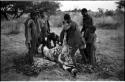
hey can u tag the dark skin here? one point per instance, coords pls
(88, 22)
(75, 42)
(84, 14)
(89, 31)
(31, 45)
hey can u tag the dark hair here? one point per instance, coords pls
(32, 14)
(84, 10)
(67, 17)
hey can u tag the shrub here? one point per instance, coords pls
(108, 25)
(77, 17)
(109, 13)
(106, 22)
(12, 27)
(56, 21)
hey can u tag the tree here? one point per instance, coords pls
(21, 7)
(18, 8)
(109, 12)
(4, 7)
(120, 7)
(121, 4)
(47, 6)
(101, 11)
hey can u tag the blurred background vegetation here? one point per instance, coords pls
(14, 14)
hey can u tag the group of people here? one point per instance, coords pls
(71, 37)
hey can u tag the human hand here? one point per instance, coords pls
(84, 46)
(39, 48)
(60, 43)
(28, 45)
(45, 38)
(65, 63)
(82, 34)
(66, 26)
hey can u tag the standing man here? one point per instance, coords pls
(31, 37)
(74, 38)
(89, 34)
(43, 30)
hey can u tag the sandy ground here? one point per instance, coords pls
(110, 49)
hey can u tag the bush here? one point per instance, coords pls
(12, 27)
(109, 13)
(77, 17)
(108, 25)
(56, 21)
(106, 22)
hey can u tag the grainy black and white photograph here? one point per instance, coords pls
(68, 40)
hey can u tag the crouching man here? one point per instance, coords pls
(88, 30)
(74, 38)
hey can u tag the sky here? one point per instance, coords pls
(90, 5)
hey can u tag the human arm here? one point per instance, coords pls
(48, 26)
(61, 36)
(59, 59)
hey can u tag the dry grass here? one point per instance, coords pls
(106, 22)
(56, 21)
(110, 49)
(13, 26)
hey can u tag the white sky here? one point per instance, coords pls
(93, 5)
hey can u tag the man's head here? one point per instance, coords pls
(34, 14)
(67, 21)
(44, 15)
(41, 14)
(67, 18)
(84, 11)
